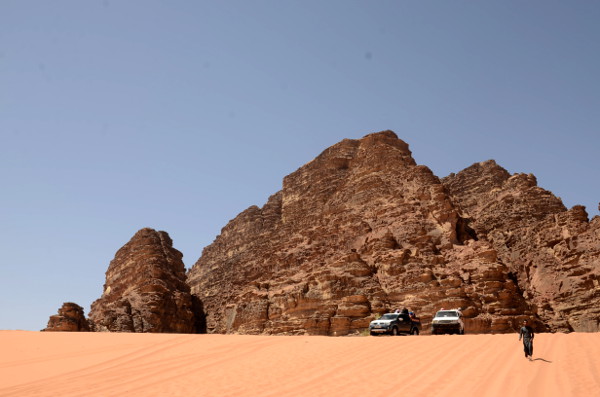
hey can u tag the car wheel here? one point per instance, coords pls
(373, 333)
(394, 331)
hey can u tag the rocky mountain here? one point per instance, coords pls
(70, 318)
(363, 229)
(358, 231)
(145, 289)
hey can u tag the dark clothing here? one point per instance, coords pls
(528, 347)
(527, 334)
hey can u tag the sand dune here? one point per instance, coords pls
(108, 364)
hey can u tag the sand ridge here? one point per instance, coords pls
(114, 364)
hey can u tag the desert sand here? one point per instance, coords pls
(112, 364)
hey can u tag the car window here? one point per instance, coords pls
(447, 313)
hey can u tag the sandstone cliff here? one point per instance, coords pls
(145, 289)
(70, 318)
(359, 230)
(554, 252)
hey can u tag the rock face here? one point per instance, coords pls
(553, 252)
(362, 229)
(145, 289)
(70, 318)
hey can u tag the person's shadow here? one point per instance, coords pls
(541, 359)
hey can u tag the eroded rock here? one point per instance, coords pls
(554, 253)
(70, 318)
(145, 289)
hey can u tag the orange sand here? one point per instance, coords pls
(109, 364)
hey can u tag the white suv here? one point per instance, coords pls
(448, 322)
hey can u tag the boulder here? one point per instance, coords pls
(70, 318)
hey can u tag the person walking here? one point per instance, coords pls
(527, 335)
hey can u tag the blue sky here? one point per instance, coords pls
(178, 115)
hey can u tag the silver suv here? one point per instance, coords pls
(448, 322)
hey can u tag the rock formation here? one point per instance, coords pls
(358, 231)
(145, 289)
(363, 229)
(70, 318)
(553, 252)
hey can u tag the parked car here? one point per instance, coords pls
(395, 324)
(448, 322)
